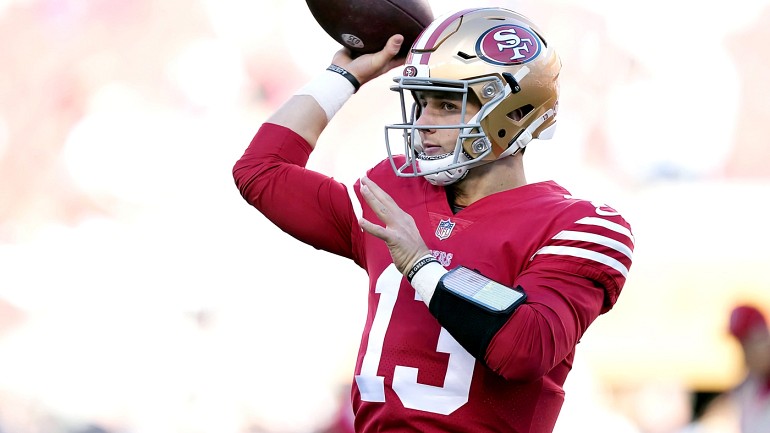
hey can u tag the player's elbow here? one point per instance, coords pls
(527, 347)
(249, 176)
(522, 369)
(243, 175)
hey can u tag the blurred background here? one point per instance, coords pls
(139, 293)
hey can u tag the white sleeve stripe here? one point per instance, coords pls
(594, 221)
(584, 254)
(597, 239)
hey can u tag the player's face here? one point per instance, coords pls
(442, 108)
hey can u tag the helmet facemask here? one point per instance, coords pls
(472, 146)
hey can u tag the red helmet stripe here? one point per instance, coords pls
(434, 31)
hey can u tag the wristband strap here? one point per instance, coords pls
(350, 77)
(426, 281)
(419, 265)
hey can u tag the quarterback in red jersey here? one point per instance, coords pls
(481, 284)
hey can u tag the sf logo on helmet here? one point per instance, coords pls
(508, 45)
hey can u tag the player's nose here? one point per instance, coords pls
(424, 118)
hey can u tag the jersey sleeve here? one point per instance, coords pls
(571, 280)
(598, 246)
(312, 207)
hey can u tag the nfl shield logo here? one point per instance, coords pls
(444, 229)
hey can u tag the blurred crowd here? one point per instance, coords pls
(136, 298)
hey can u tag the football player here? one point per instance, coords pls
(752, 396)
(481, 284)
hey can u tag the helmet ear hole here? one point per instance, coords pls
(501, 133)
(520, 113)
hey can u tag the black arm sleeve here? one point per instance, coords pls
(467, 308)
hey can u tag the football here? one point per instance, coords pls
(364, 26)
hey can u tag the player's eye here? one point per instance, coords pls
(448, 106)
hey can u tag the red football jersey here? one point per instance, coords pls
(570, 256)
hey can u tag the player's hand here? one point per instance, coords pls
(367, 67)
(400, 232)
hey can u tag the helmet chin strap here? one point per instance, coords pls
(445, 177)
(426, 163)
(448, 177)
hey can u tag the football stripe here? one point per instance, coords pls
(601, 222)
(596, 239)
(431, 35)
(584, 254)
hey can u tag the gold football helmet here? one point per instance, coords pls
(495, 56)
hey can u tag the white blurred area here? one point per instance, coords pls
(140, 293)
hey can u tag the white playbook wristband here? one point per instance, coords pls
(426, 280)
(330, 89)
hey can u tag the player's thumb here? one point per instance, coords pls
(378, 63)
(390, 50)
(391, 59)
(394, 44)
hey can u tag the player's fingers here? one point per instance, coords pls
(381, 59)
(380, 209)
(370, 66)
(382, 196)
(373, 229)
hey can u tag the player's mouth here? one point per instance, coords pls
(433, 150)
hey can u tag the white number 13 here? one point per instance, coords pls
(437, 399)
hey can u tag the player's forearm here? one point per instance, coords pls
(545, 330)
(312, 107)
(303, 115)
(530, 345)
(521, 342)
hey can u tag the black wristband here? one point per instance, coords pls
(350, 77)
(419, 265)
